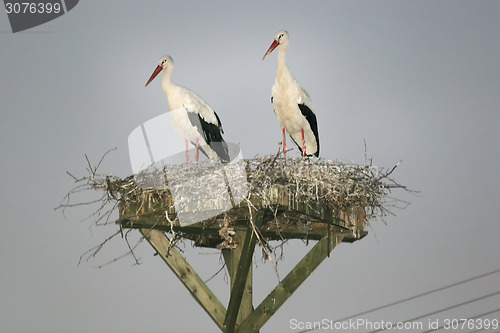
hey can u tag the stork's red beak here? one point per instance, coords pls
(155, 73)
(271, 48)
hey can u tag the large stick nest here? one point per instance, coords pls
(340, 185)
(337, 185)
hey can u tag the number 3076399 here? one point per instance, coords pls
(32, 8)
(470, 323)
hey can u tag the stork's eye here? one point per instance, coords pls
(164, 61)
(281, 36)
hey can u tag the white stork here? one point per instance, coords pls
(292, 103)
(191, 116)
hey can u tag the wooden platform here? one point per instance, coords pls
(284, 218)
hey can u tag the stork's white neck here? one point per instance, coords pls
(166, 83)
(282, 71)
(282, 55)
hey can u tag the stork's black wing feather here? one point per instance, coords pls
(212, 134)
(219, 124)
(311, 119)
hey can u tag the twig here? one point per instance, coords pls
(216, 273)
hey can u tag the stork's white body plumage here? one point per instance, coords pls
(180, 102)
(292, 104)
(191, 116)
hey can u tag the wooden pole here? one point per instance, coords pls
(290, 283)
(198, 289)
(240, 280)
(232, 259)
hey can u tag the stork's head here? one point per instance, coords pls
(164, 63)
(280, 38)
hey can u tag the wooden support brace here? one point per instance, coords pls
(198, 289)
(290, 283)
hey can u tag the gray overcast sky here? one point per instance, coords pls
(419, 81)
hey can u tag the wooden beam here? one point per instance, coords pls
(241, 276)
(198, 289)
(290, 283)
(311, 231)
(232, 259)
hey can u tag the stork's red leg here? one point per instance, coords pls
(187, 153)
(197, 151)
(303, 144)
(284, 143)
